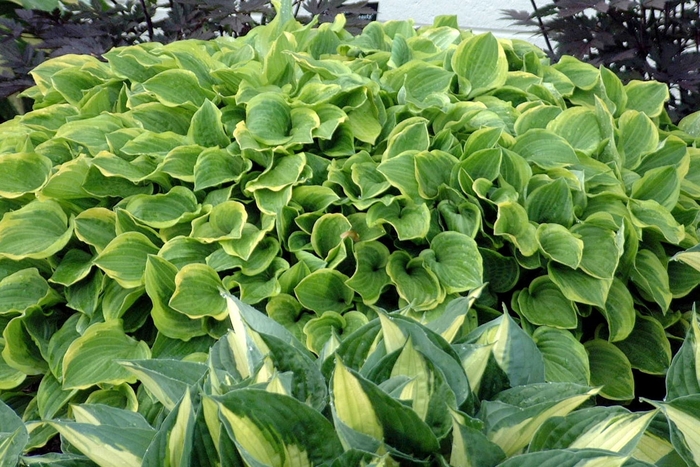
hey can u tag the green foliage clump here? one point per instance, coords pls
(535, 226)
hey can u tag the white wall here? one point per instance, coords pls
(477, 15)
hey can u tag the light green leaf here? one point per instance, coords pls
(23, 173)
(559, 244)
(649, 214)
(638, 137)
(545, 149)
(411, 221)
(650, 275)
(619, 311)
(551, 202)
(610, 369)
(37, 230)
(188, 92)
(512, 223)
(582, 75)
(482, 61)
(159, 279)
(25, 289)
(565, 358)
(206, 128)
(198, 292)
(124, 258)
(370, 277)
(646, 96)
(164, 210)
(324, 290)
(455, 260)
(415, 283)
(543, 304)
(578, 286)
(92, 358)
(579, 126)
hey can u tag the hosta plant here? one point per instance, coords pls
(394, 392)
(327, 178)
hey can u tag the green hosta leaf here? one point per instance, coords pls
(649, 214)
(513, 417)
(432, 171)
(683, 377)
(455, 260)
(463, 217)
(75, 266)
(582, 75)
(159, 279)
(559, 244)
(181, 251)
(416, 284)
(166, 379)
(411, 221)
(106, 438)
(96, 227)
(188, 92)
(513, 223)
(611, 428)
(661, 185)
(283, 172)
(10, 377)
(610, 369)
(400, 172)
(601, 250)
(276, 430)
(619, 311)
(578, 286)
(370, 277)
(361, 406)
(324, 290)
(482, 61)
(124, 258)
(638, 136)
(545, 149)
(565, 358)
(206, 128)
(646, 96)
(418, 78)
(37, 230)
(682, 414)
(91, 358)
(23, 173)
(551, 203)
(543, 304)
(579, 126)
(23, 290)
(650, 275)
(226, 220)
(13, 436)
(216, 166)
(408, 135)
(121, 396)
(198, 292)
(323, 328)
(91, 132)
(647, 347)
(164, 210)
(328, 234)
(269, 119)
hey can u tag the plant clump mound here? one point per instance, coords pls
(458, 247)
